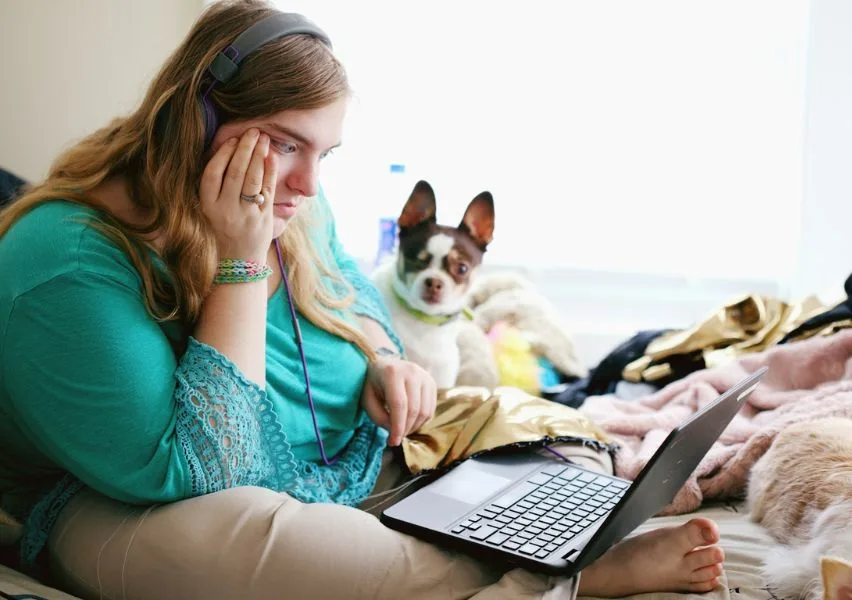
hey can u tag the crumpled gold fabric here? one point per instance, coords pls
(749, 323)
(472, 420)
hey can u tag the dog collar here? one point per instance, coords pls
(427, 318)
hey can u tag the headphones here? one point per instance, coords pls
(226, 64)
(223, 68)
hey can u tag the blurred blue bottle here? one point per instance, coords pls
(388, 228)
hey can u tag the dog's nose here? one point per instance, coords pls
(434, 285)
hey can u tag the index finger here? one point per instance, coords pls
(270, 175)
(396, 401)
(232, 185)
(214, 172)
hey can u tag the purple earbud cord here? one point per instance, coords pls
(298, 332)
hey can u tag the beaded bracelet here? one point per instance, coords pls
(232, 270)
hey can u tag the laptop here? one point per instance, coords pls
(552, 516)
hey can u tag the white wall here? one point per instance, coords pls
(825, 258)
(69, 66)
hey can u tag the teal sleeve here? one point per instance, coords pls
(368, 300)
(96, 386)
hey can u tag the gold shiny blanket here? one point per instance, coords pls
(469, 421)
(747, 324)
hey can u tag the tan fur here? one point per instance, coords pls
(807, 469)
(836, 578)
(801, 491)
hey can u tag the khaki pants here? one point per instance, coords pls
(251, 542)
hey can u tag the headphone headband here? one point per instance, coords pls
(226, 63)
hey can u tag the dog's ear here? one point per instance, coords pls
(478, 220)
(420, 207)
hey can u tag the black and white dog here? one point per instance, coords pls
(427, 283)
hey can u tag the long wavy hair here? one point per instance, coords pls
(158, 150)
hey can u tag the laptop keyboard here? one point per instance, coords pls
(545, 511)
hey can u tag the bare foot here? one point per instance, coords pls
(671, 559)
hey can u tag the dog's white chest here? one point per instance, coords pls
(433, 347)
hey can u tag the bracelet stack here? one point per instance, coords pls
(233, 270)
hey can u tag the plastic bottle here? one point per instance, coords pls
(393, 199)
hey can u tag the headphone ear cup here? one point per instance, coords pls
(208, 113)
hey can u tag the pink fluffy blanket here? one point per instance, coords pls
(806, 381)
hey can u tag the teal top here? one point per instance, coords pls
(94, 392)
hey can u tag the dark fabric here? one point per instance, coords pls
(10, 187)
(9, 557)
(604, 377)
(841, 312)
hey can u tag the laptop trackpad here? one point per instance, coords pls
(471, 487)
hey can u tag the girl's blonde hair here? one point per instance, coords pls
(158, 151)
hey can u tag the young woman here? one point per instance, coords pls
(156, 437)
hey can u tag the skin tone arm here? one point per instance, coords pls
(233, 318)
(376, 333)
(398, 395)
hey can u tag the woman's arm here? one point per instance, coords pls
(233, 318)
(95, 385)
(399, 395)
(377, 334)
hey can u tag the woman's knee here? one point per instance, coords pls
(100, 547)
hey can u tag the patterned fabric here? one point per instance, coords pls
(216, 406)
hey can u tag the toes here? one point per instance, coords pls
(706, 586)
(704, 557)
(698, 532)
(706, 574)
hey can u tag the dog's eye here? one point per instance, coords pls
(461, 269)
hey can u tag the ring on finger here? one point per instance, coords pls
(254, 198)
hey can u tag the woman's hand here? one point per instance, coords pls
(399, 396)
(245, 167)
(233, 316)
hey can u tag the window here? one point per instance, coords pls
(662, 136)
